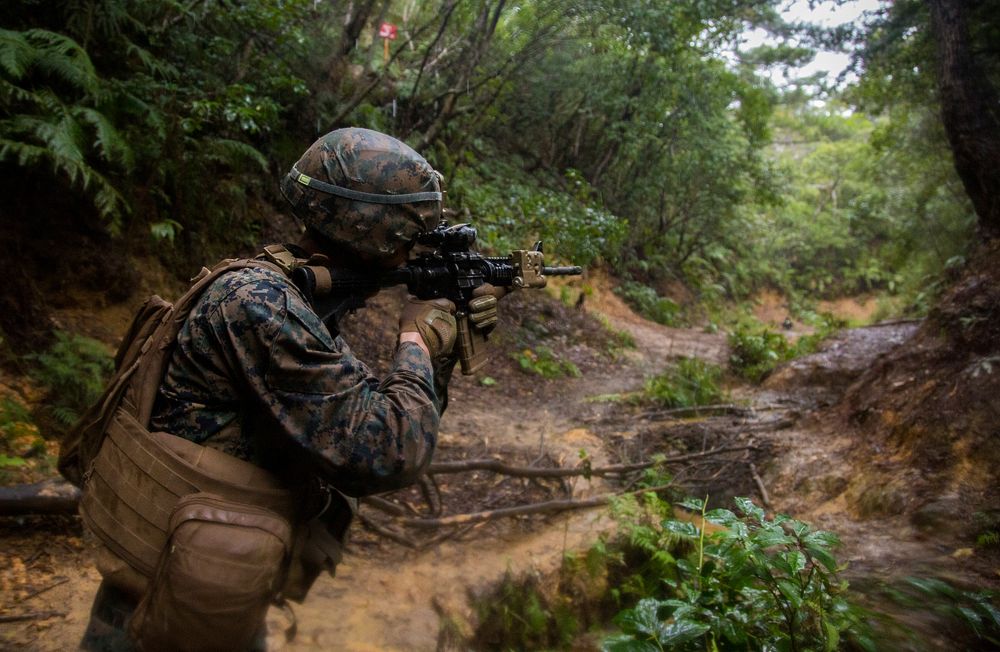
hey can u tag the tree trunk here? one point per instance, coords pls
(969, 111)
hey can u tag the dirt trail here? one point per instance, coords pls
(386, 597)
(392, 600)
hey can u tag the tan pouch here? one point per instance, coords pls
(221, 567)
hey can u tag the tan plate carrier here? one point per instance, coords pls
(132, 479)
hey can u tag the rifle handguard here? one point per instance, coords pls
(471, 345)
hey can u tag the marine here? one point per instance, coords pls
(260, 384)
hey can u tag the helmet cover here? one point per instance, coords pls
(364, 190)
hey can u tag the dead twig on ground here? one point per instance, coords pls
(387, 532)
(498, 466)
(717, 410)
(386, 506)
(760, 486)
(431, 494)
(32, 615)
(61, 580)
(548, 507)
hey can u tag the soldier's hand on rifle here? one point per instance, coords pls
(430, 324)
(483, 306)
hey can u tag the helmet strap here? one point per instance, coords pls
(357, 195)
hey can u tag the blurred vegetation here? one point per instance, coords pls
(640, 135)
(755, 349)
(753, 583)
(25, 455)
(689, 383)
(698, 580)
(73, 371)
(545, 363)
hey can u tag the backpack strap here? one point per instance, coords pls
(140, 364)
(156, 351)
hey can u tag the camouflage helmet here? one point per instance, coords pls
(364, 190)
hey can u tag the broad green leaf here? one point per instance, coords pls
(681, 632)
(791, 592)
(680, 528)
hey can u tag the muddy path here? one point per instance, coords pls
(388, 597)
(392, 598)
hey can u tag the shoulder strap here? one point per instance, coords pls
(156, 351)
(140, 365)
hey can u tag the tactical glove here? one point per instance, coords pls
(483, 307)
(434, 321)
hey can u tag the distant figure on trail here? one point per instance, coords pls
(787, 324)
(233, 488)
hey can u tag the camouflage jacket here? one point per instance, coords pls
(257, 374)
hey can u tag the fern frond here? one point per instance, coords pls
(152, 116)
(67, 416)
(16, 54)
(110, 143)
(156, 66)
(63, 58)
(27, 155)
(11, 93)
(231, 152)
(108, 201)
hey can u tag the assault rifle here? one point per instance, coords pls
(446, 267)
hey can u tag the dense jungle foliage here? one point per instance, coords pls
(642, 134)
(644, 137)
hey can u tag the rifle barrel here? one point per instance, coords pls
(574, 270)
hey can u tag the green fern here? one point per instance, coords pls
(67, 133)
(74, 370)
(230, 152)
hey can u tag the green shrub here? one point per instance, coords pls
(649, 304)
(25, 456)
(518, 615)
(74, 370)
(756, 583)
(544, 362)
(753, 354)
(826, 325)
(691, 382)
(755, 350)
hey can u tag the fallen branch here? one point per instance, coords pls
(760, 486)
(33, 615)
(386, 506)
(61, 580)
(54, 496)
(766, 426)
(431, 494)
(457, 533)
(548, 507)
(498, 466)
(708, 453)
(696, 411)
(387, 532)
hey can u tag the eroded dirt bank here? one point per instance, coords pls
(390, 597)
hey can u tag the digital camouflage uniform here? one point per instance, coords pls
(253, 351)
(258, 375)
